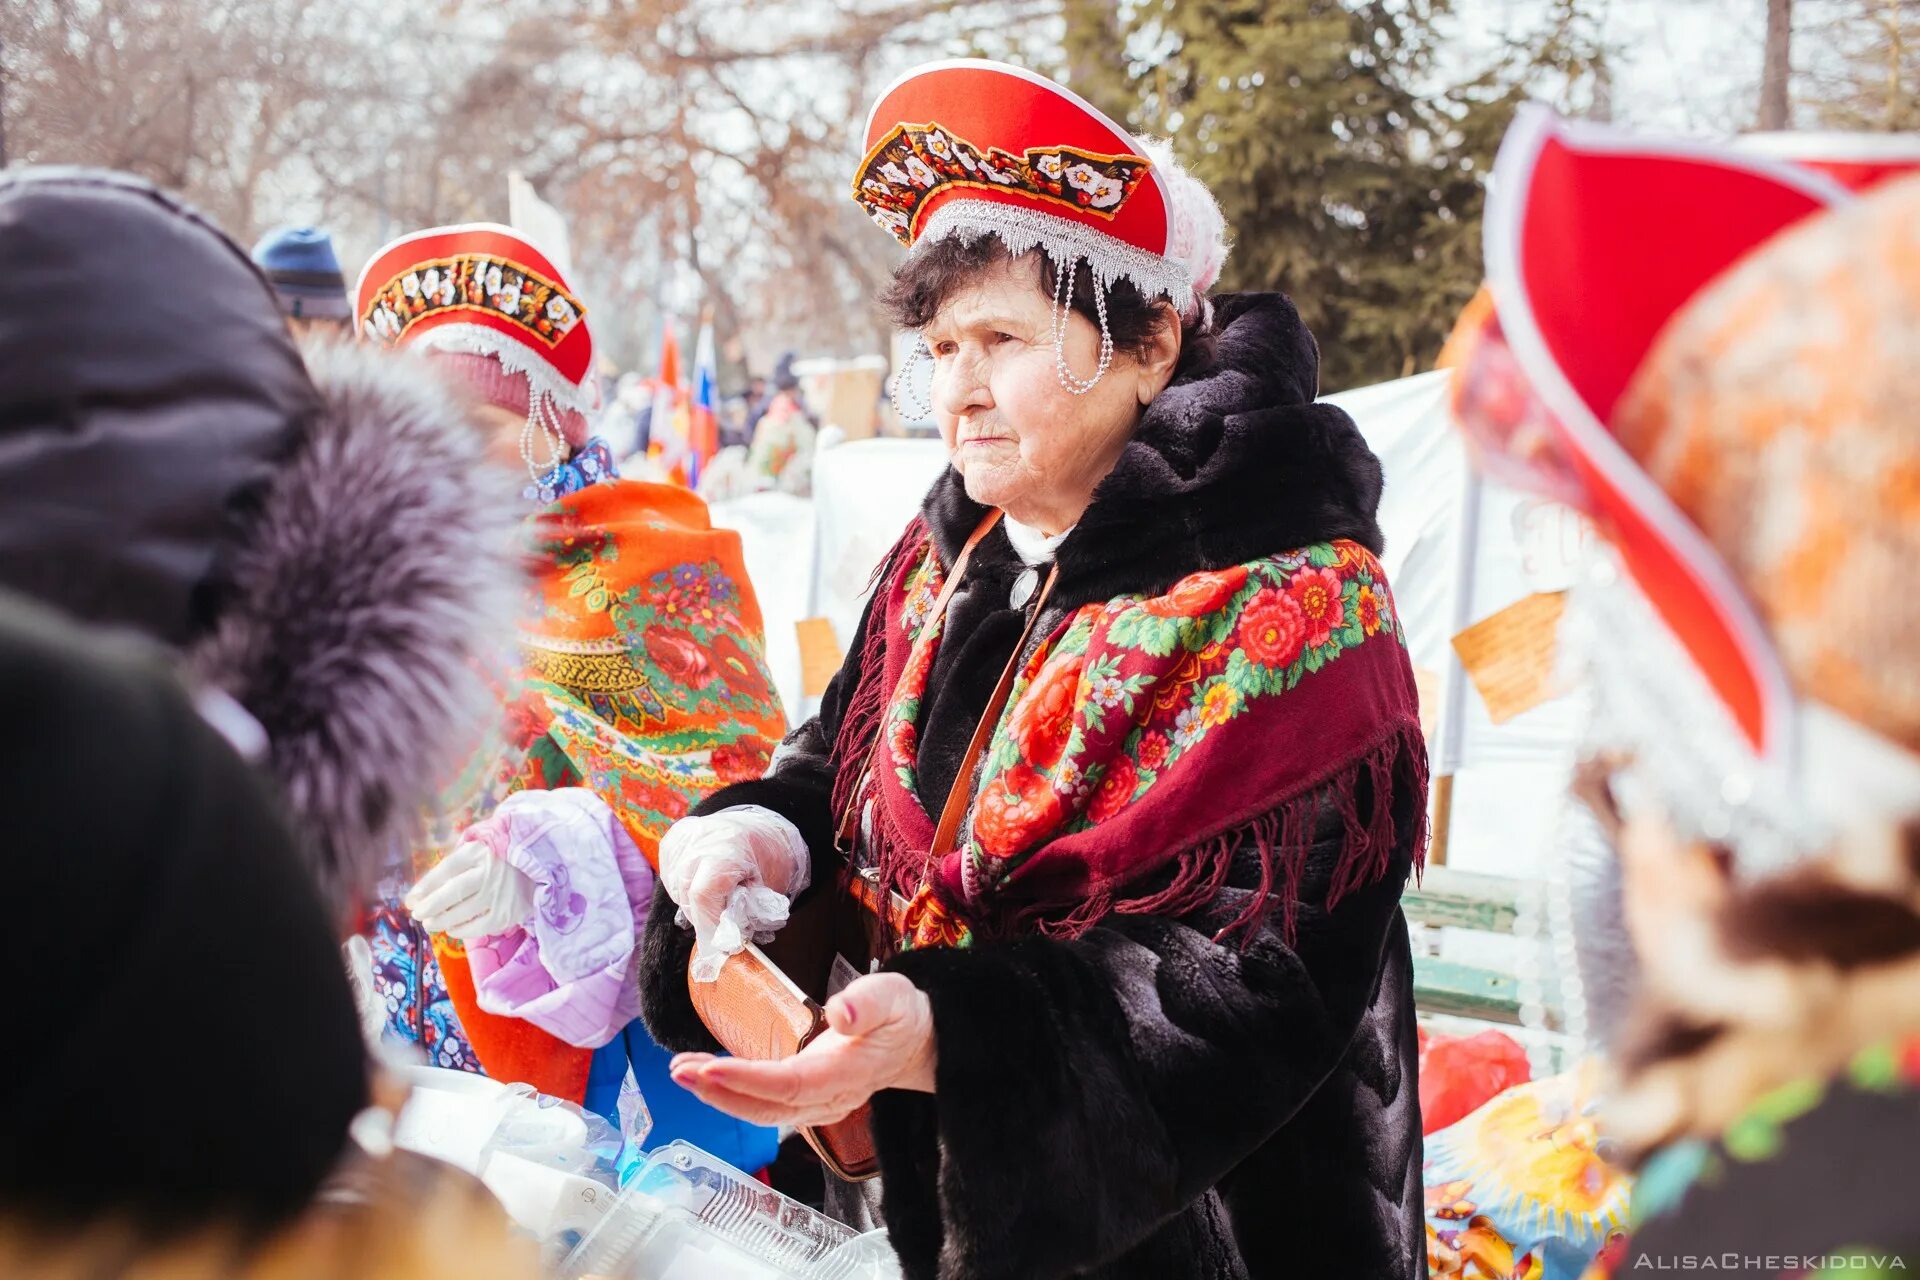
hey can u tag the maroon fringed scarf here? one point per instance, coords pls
(1148, 733)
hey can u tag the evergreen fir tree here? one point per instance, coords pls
(1348, 168)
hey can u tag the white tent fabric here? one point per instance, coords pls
(1520, 545)
(864, 493)
(776, 538)
(1509, 777)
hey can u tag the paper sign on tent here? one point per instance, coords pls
(1509, 655)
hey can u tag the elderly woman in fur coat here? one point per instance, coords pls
(1150, 1008)
(317, 539)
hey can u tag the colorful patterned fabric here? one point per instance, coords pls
(1518, 1191)
(1814, 1180)
(591, 463)
(1145, 733)
(646, 683)
(1776, 410)
(407, 978)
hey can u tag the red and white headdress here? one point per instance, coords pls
(1857, 161)
(484, 295)
(1620, 268)
(970, 148)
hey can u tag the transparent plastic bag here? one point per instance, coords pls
(733, 874)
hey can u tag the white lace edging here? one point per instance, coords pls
(543, 380)
(1108, 257)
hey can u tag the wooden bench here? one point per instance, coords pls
(1444, 990)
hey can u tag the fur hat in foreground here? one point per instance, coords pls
(323, 539)
(371, 611)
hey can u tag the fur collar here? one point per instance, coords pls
(1745, 988)
(373, 598)
(1232, 462)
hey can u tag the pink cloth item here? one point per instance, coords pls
(569, 971)
(505, 388)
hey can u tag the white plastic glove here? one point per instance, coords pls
(733, 874)
(472, 894)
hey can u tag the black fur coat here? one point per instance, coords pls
(1141, 1102)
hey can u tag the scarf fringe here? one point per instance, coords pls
(1283, 839)
(867, 705)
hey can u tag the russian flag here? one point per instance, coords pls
(703, 431)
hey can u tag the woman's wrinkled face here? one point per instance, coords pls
(1019, 439)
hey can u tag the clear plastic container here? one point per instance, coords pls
(554, 1167)
(867, 1257)
(687, 1215)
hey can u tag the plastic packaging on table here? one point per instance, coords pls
(687, 1215)
(554, 1167)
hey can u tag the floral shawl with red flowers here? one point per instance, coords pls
(646, 682)
(1148, 739)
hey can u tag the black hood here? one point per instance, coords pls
(1231, 462)
(148, 391)
(322, 539)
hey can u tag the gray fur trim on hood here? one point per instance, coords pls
(341, 560)
(370, 623)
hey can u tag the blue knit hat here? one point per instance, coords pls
(300, 263)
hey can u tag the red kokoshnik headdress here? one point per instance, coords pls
(481, 291)
(971, 148)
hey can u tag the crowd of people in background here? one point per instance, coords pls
(766, 435)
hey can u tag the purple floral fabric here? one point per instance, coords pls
(569, 970)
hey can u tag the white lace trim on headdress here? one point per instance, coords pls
(543, 380)
(1108, 257)
(1651, 702)
(548, 393)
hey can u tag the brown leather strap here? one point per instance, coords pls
(954, 574)
(959, 797)
(961, 793)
